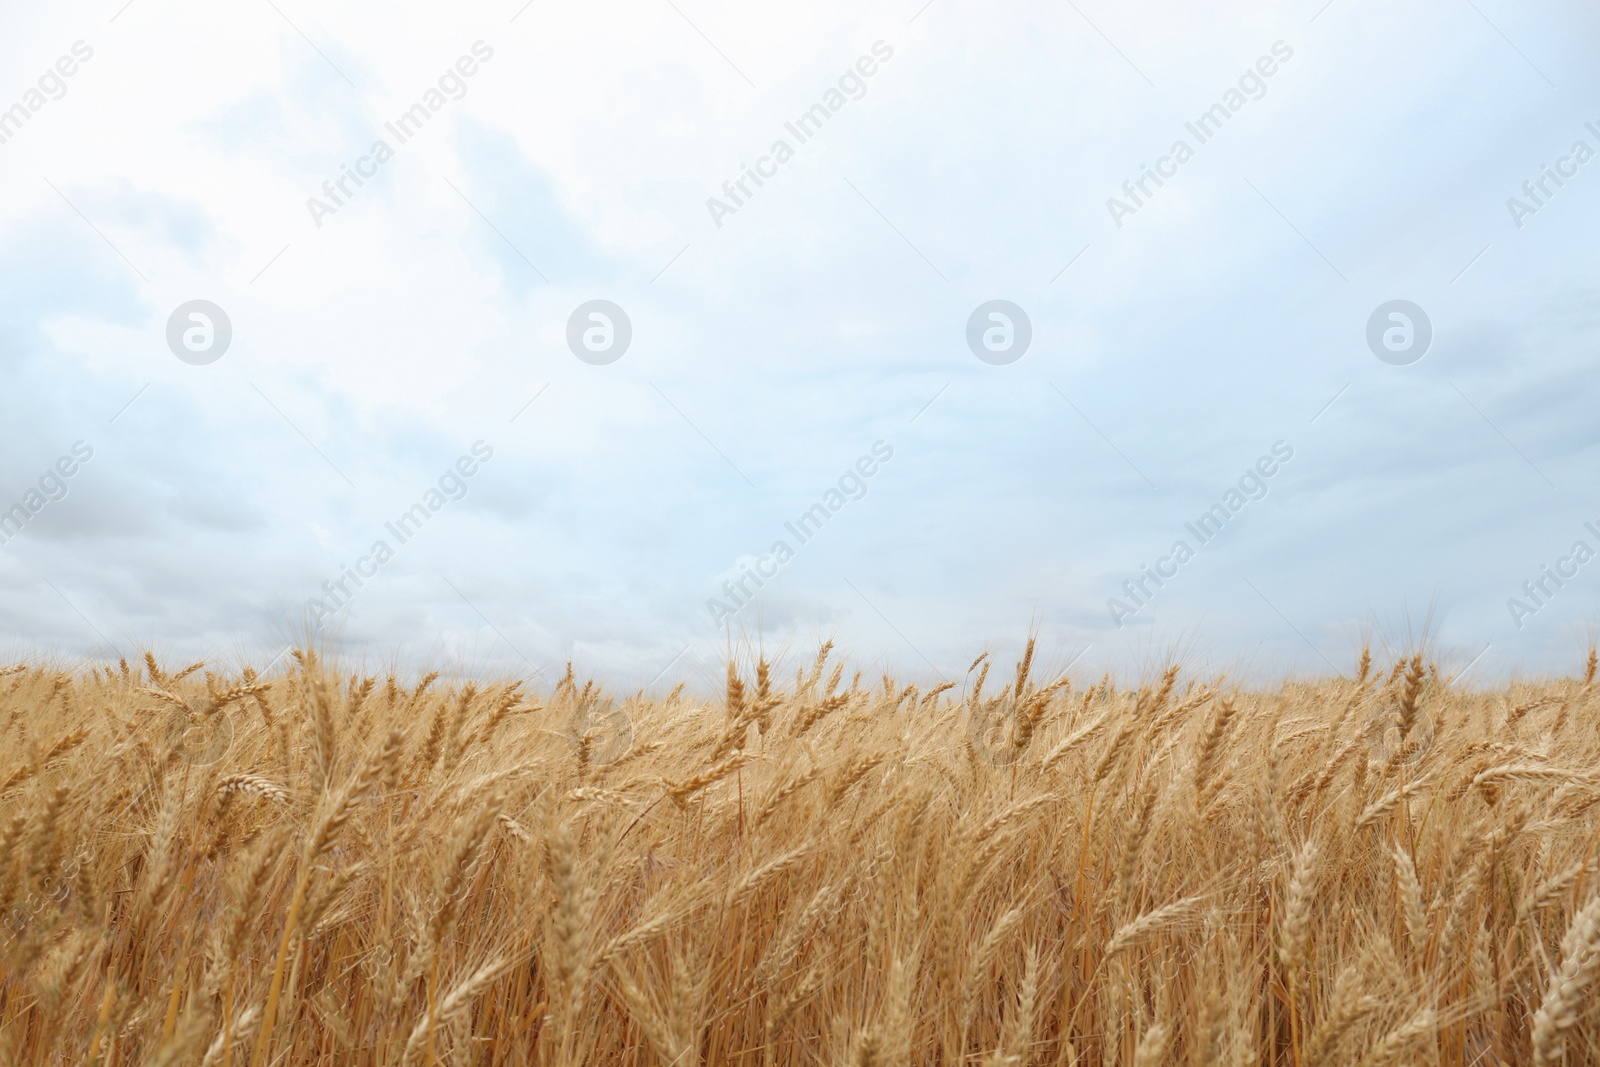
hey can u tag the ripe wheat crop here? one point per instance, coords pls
(306, 868)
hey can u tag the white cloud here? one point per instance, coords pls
(822, 316)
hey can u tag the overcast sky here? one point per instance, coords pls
(799, 344)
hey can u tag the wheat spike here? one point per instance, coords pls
(1566, 993)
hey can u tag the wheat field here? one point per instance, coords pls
(304, 867)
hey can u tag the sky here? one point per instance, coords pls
(489, 336)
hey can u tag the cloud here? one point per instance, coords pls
(429, 312)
